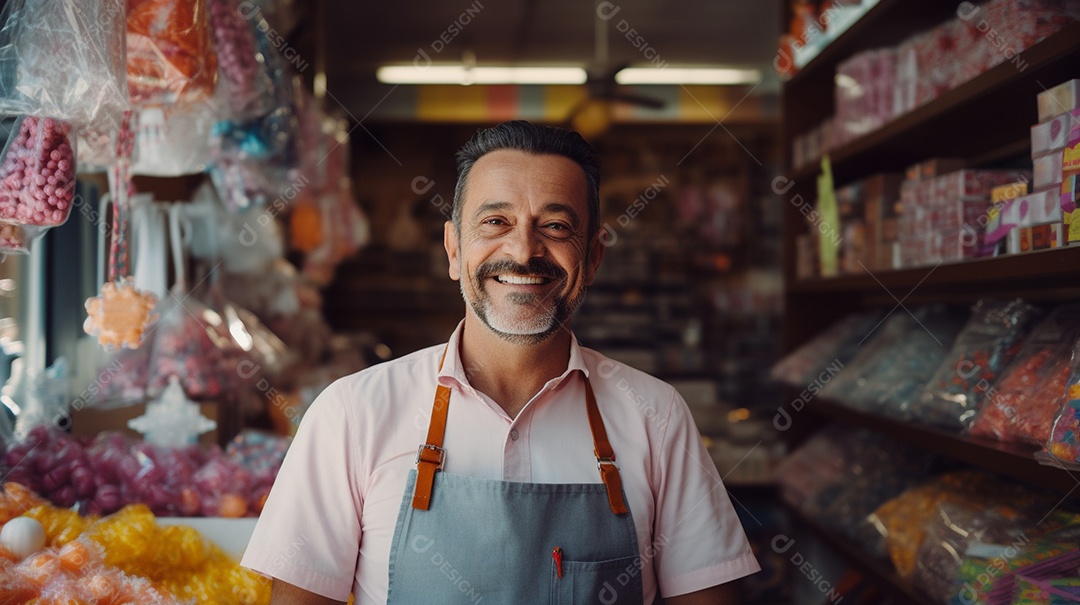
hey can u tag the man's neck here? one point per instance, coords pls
(509, 373)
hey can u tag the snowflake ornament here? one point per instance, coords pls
(118, 316)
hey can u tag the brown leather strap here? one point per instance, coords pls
(431, 455)
(605, 456)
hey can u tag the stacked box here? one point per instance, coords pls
(881, 203)
(1061, 99)
(865, 86)
(1053, 133)
(949, 215)
(1046, 170)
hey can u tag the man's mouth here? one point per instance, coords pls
(522, 280)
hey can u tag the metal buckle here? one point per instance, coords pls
(610, 461)
(420, 450)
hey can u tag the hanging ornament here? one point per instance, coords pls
(172, 420)
(120, 314)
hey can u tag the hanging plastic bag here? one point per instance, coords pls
(170, 56)
(37, 181)
(243, 82)
(191, 340)
(173, 141)
(63, 59)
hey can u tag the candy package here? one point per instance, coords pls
(827, 352)
(991, 573)
(261, 454)
(173, 141)
(894, 380)
(242, 78)
(37, 181)
(1023, 403)
(840, 475)
(170, 55)
(966, 525)
(985, 347)
(59, 60)
(1064, 442)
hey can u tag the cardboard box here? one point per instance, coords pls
(1053, 134)
(1060, 99)
(1046, 170)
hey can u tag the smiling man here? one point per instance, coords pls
(510, 465)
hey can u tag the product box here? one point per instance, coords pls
(1014, 217)
(1070, 194)
(881, 206)
(1060, 99)
(1046, 170)
(1039, 212)
(934, 167)
(1053, 134)
(1004, 193)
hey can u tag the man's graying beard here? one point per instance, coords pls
(557, 316)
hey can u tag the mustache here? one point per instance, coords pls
(535, 266)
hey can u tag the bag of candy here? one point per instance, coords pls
(60, 60)
(243, 83)
(170, 55)
(988, 343)
(1022, 404)
(37, 181)
(1064, 442)
(826, 353)
(173, 141)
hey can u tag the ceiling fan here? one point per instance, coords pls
(592, 114)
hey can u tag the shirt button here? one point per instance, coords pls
(514, 434)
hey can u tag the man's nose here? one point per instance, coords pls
(524, 243)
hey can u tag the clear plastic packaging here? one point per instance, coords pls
(893, 375)
(173, 141)
(1064, 442)
(37, 181)
(170, 56)
(834, 347)
(988, 343)
(60, 60)
(242, 78)
(1022, 404)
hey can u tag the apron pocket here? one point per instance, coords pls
(604, 582)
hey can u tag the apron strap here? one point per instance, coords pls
(430, 456)
(605, 456)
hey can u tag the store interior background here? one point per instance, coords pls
(700, 204)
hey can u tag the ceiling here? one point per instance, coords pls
(359, 36)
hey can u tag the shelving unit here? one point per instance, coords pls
(986, 121)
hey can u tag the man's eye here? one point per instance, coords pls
(557, 227)
(494, 221)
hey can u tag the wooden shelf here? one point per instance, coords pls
(991, 112)
(881, 572)
(983, 275)
(902, 18)
(1015, 460)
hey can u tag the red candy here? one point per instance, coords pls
(37, 176)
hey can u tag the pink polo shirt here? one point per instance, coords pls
(329, 521)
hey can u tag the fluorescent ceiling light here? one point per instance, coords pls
(459, 74)
(687, 75)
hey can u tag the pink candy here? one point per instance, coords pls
(37, 175)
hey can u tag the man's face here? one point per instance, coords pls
(522, 255)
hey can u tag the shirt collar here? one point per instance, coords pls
(453, 369)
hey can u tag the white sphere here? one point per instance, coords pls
(22, 536)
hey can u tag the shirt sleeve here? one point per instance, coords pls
(698, 540)
(309, 531)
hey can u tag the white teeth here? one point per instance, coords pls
(520, 280)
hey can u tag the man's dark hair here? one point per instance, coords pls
(540, 140)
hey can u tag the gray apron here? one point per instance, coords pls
(465, 540)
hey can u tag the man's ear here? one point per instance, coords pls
(596, 254)
(452, 245)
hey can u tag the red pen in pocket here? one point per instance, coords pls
(556, 555)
